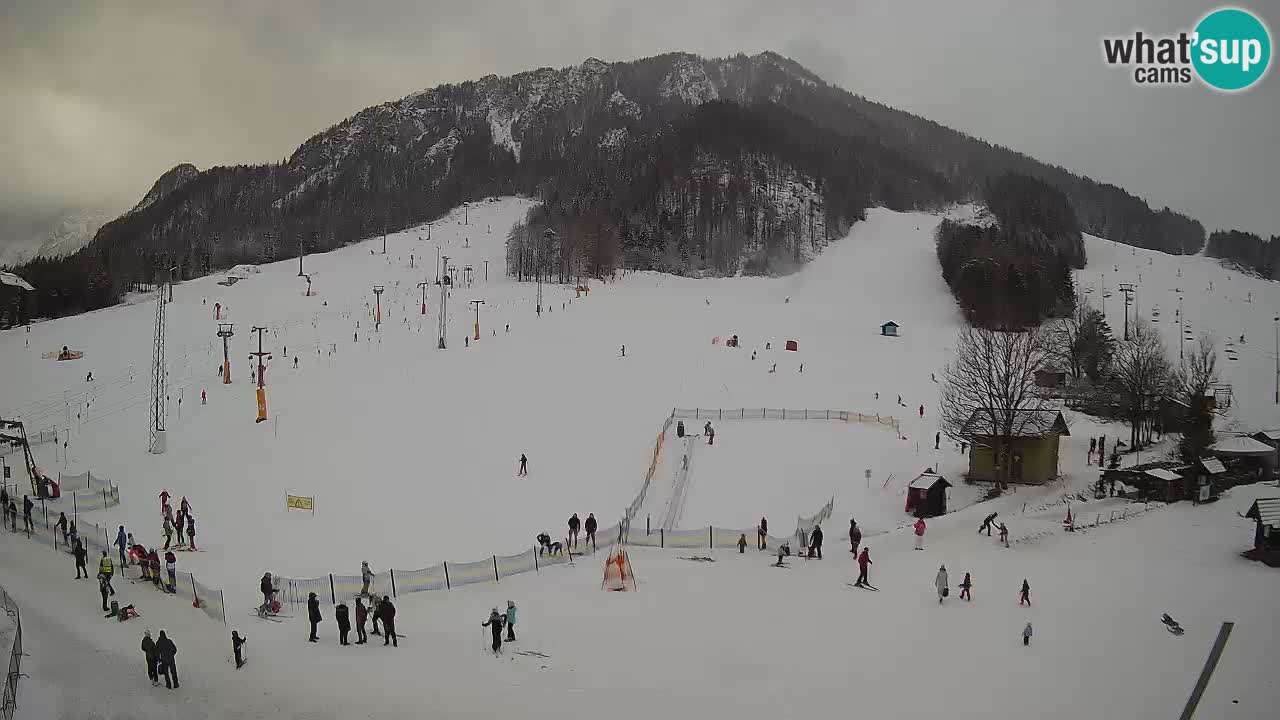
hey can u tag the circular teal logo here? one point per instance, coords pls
(1232, 49)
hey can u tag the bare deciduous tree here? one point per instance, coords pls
(1140, 375)
(1194, 382)
(991, 380)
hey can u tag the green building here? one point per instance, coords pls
(1033, 451)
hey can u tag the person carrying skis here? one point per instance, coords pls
(864, 561)
(168, 653)
(80, 554)
(574, 524)
(191, 532)
(1004, 535)
(167, 527)
(742, 543)
(366, 577)
(590, 527)
(341, 614)
(494, 623)
(919, 530)
(171, 568)
(524, 465)
(510, 621)
(149, 652)
(387, 611)
(1026, 634)
(313, 615)
(62, 525)
(965, 586)
(237, 643)
(762, 533)
(815, 542)
(1024, 595)
(855, 537)
(362, 614)
(940, 582)
(987, 522)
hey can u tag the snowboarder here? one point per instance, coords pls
(940, 582)
(237, 645)
(524, 465)
(340, 614)
(27, 505)
(742, 543)
(762, 532)
(965, 586)
(1024, 596)
(62, 525)
(313, 615)
(168, 532)
(191, 532)
(919, 529)
(987, 522)
(815, 542)
(590, 527)
(1004, 535)
(171, 569)
(1026, 634)
(80, 553)
(362, 615)
(510, 620)
(168, 667)
(366, 577)
(149, 652)
(864, 560)
(574, 524)
(855, 536)
(494, 623)
(387, 612)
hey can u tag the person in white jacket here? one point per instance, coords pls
(940, 582)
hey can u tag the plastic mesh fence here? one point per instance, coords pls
(515, 564)
(471, 573)
(410, 581)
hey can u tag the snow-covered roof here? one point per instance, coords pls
(890, 323)
(1026, 423)
(8, 278)
(1162, 474)
(1242, 445)
(927, 480)
(1269, 434)
(1213, 465)
(1267, 510)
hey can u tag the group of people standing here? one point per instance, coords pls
(9, 506)
(589, 527)
(186, 523)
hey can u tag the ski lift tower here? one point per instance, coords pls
(549, 235)
(1127, 289)
(157, 443)
(444, 299)
(377, 317)
(225, 332)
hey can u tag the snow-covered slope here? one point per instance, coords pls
(411, 453)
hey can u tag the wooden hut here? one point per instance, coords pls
(1265, 513)
(927, 494)
(889, 329)
(1033, 451)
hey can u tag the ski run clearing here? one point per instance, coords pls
(411, 453)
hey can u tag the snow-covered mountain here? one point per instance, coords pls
(63, 234)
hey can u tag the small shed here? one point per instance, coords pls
(889, 329)
(1209, 472)
(927, 494)
(1265, 513)
(793, 346)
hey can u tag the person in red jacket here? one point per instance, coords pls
(920, 527)
(864, 560)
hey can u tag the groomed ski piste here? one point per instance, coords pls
(411, 455)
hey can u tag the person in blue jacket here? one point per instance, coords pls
(122, 542)
(511, 621)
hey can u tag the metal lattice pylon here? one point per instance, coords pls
(156, 408)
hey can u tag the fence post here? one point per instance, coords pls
(393, 583)
(447, 586)
(333, 594)
(711, 537)
(535, 561)
(806, 413)
(720, 414)
(662, 538)
(495, 569)
(75, 513)
(222, 596)
(194, 595)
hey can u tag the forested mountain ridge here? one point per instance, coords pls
(677, 162)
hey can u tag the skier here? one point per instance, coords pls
(494, 623)
(388, 613)
(742, 543)
(1024, 596)
(295, 363)
(710, 433)
(922, 411)
(920, 528)
(855, 536)
(801, 368)
(267, 587)
(590, 527)
(79, 552)
(340, 614)
(191, 532)
(153, 560)
(62, 525)
(987, 522)
(783, 551)
(168, 653)
(937, 440)
(185, 507)
(149, 652)
(105, 570)
(864, 560)
(762, 532)
(27, 505)
(204, 397)
(237, 643)
(362, 615)
(815, 542)
(313, 615)
(1004, 535)
(171, 568)
(940, 582)
(1026, 634)
(168, 532)
(624, 351)
(366, 577)
(965, 586)
(510, 620)
(182, 525)
(574, 524)
(524, 465)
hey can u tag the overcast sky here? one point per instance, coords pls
(102, 96)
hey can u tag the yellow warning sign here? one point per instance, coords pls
(300, 502)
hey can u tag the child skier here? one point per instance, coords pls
(171, 567)
(494, 623)
(1026, 634)
(237, 645)
(965, 586)
(1004, 535)
(742, 543)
